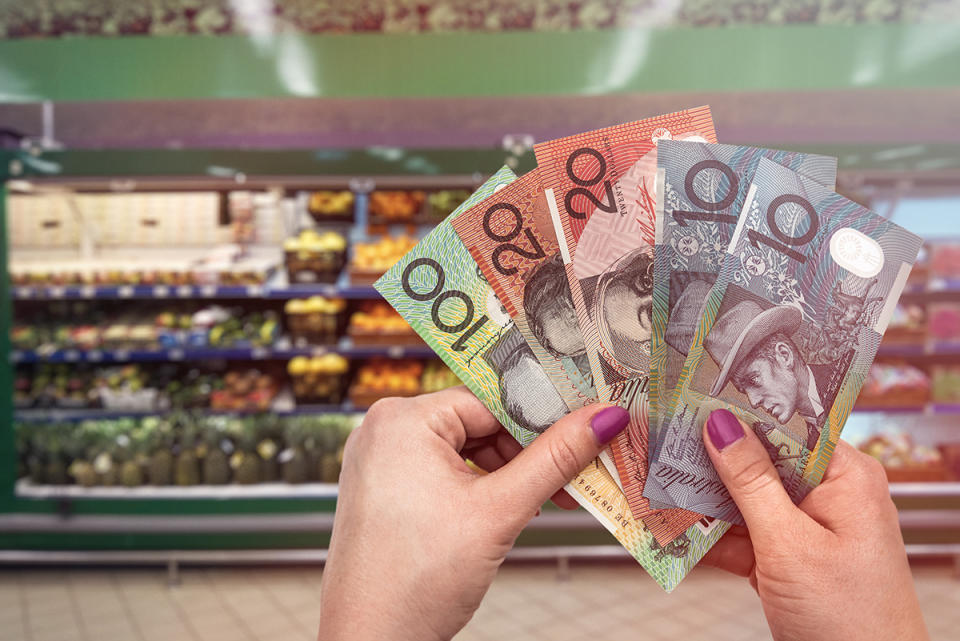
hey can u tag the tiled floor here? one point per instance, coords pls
(526, 602)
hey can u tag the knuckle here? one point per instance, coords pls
(872, 475)
(384, 410)
(564, 458)
(755, 477)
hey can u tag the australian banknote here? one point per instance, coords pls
(600, 192)
(511, 238)
(439, 290)
(808, 285)
(521, 261)
(700, 192)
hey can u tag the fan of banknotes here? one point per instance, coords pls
(646, 265)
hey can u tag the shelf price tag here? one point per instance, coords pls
(121, 355)
(94, 356)
(125, 291)
(259, 353)
(24, 292)
(208, 291)
(161, 291)
(395, 351)
(71, 356)
(184, 291)
(176, 354)
(16, 356)
(57, 292)
(88, 291)
(254, 290)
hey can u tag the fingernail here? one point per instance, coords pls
(724, 428)
(606, 424)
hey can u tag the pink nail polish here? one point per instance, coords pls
(724, 428)
(607, 423)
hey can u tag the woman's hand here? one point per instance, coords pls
(418, 536)
(833, 567)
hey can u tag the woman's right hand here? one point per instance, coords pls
(833, 567)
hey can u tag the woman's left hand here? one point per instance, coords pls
(418, 536)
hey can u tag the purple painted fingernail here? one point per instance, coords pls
(724, 428)
(606, 424)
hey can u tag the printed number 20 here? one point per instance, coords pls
(507, 246)
(610, 206)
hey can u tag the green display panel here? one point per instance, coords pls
(737, 58)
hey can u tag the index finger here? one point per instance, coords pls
(455, 414)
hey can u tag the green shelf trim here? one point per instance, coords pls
(666, 59)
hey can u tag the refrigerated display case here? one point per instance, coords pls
(193, 333)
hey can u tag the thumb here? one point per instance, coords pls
(745, 468)
(558, 455)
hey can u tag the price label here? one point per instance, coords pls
(95, 356)
(71, 356)
(125, 291)
(175, 354)
(184, 291)
(161, 291)
(259, 353)
(57, 292)
(121, 355)
(88, 291)
(395, 351)
(24, 292)
(208, 291)
(254, 290)
(16, 356)
(319, 351)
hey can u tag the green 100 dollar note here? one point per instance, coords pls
(439, 290)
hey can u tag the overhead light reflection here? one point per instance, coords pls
(293, 61)
(628, 55)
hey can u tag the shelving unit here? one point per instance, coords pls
(246, 517)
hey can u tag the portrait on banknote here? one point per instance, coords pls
(526, 393)
(548, 306)
(688, 295)
(758, 353)
(623, 308)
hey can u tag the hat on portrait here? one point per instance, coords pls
(740, 329)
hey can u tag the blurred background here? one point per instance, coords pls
(197, 196)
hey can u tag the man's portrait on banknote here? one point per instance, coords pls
(688, 294)
(548, 306)
(623, 309)
(754, 346)
(527, 394)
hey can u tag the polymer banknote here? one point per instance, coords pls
(599, 188)
(700, 192)
(512, 240)
(808, 285)
(439, 290)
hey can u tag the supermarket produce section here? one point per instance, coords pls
(197, 347)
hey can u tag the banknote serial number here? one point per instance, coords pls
(602, 503)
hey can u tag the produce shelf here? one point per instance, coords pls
(344, 348)
(67, 415)
(164, 292)
(26, 489)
